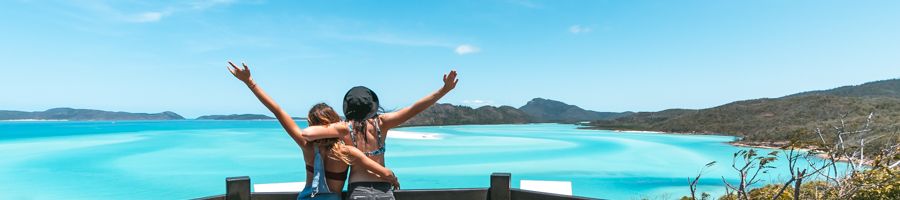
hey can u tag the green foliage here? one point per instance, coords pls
(769, 191)
(879, 184)
(703, 196)
(728, 197)
(884, 88)
(807, 191)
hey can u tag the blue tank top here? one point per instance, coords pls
(318, 188)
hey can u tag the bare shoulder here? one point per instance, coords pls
(386, 116)
(381, 120)
(340, 126)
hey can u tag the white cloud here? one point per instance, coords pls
(466, 49)
(147, 17)
(477, 102)
(579, 29)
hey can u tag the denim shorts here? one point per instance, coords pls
(370, 191)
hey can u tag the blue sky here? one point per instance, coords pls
(152, 56)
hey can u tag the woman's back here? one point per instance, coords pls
(333, 157)
(335, 168)
(371, 142)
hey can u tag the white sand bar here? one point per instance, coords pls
(555, 187)
(413, 135)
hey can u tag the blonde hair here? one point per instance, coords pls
(323, 115)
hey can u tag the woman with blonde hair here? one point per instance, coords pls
(324, 177)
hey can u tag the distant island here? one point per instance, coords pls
(448, 114)
(235, 117)
(85, 115)
(545, 110)
(73, 114)
(538, 110)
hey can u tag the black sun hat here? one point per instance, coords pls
(360, 103)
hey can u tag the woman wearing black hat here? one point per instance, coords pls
(325, 177)
(368, 131)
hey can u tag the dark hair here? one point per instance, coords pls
(360, 104)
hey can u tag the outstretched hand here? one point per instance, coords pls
(450, 80)
(242, 74)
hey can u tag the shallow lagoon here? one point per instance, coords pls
(188, 159)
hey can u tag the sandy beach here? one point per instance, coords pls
(624, 131)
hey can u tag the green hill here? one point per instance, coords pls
(448, 114)
(546, 110)
(885, 88)
(780, 119)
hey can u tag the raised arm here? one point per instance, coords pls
(359, 159)
(286, 121)
(393, 119)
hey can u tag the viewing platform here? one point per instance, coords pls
(238, 188)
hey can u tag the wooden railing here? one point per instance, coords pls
(238, 188)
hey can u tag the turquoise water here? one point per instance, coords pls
(189, 159)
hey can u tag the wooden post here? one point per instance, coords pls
(237, 188)
(499, 186)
